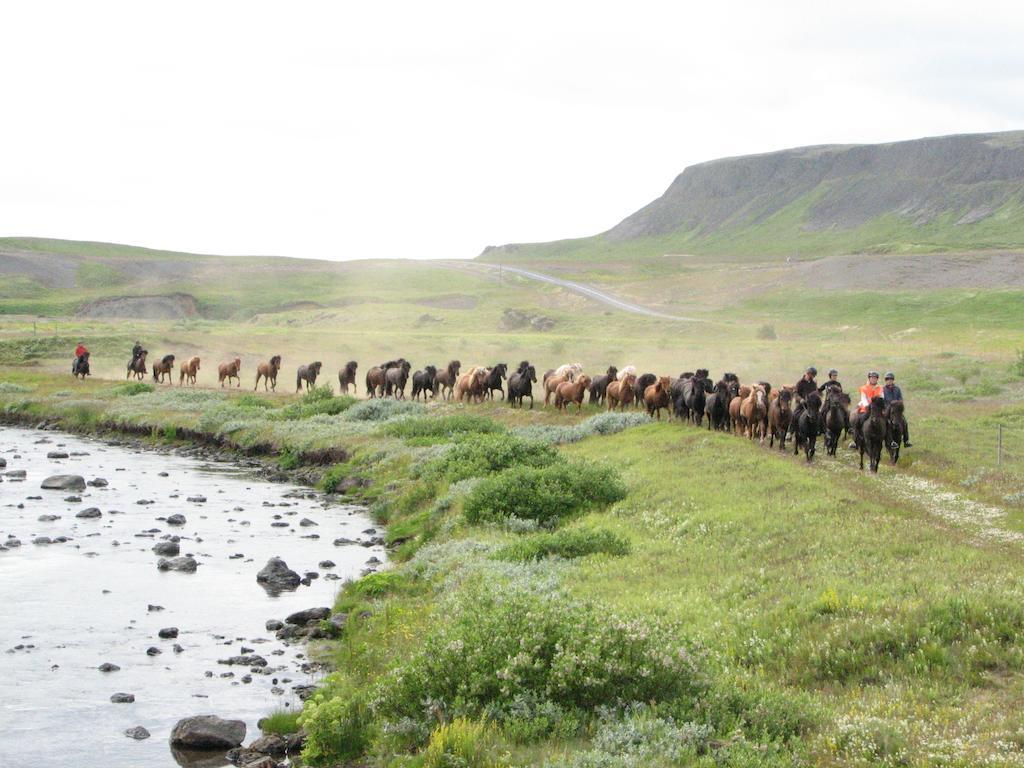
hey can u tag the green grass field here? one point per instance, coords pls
(660, 595)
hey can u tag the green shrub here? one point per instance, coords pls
(442, 426)
(9, 387)
(317, 401)
(337, 729)
(249, 400)
(501, 646)
(601, 424)
(485, 454)
(567, 544)
(461, 743)
(377, 584)
(382, 410)
(132, 388)
(288, 459)
(545, 494)
(333, 478)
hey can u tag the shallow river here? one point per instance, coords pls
(66, 608)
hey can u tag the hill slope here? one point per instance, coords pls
(934, 194)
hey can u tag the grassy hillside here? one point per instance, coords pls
(929, 195)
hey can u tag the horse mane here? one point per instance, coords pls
(523, 365)
(813, 401)
(167, 359)
(896, 408)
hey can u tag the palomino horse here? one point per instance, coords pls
(520, 385)
(572, 392)
(347, 377)
(471, 385)
(656, 397)
(268, 372)
(779, 414)
(163, 368)
(447, 378)
(137, 366)
(229, 371)
(620, 392)
(187, 372)
(307, 374)
(753, 412)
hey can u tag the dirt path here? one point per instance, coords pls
(584, 290)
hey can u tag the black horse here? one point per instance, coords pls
(675, 393)
(495, 379)
(81, 366)
(870, 433)
(834, 418)
(396, 378)
(642, 383)
(599, 386)
(520, 385)
(424, 381)
(695, 393)
(306, 374)
(805, 433)
(716, 407)
(894, 429)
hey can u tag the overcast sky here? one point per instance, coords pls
(431, 129)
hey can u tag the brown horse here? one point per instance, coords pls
(739, 425)
(268, 372)
(472, 384)
(553, 379)
(162, 369)
(448, 378)
(572, 392)
(656, 397)
(377, 377)
(620, 392)
(230, 371)
(753, 411)
(347, 377)
(779, 414)
(187, 372)
(137, 367)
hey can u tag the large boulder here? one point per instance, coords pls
(310, 614)
(276, 575)
(89, 513)
(64, 483)
(184, 564)
(208, 732)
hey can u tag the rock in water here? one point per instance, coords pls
(138, 733)
(3, 462)
(208, 732)
(176, 519)
(89, 513)
(101, 482)
(108, 667)
(184, 564)
(168, 633)
(277, 575)
(310, 614)
(64, 483)
(167, 548)
(56, 455)
(123, 698)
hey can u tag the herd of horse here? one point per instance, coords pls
(756, 411)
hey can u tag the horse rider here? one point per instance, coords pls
(136, 350)
(832, 383)
(868, 392)
(80, 353)
(892, 393)
(803, 388)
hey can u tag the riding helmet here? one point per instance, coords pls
(813, 371)
(833, 372)
(890, 375)
(872, 373)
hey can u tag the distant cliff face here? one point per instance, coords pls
(948, 192)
